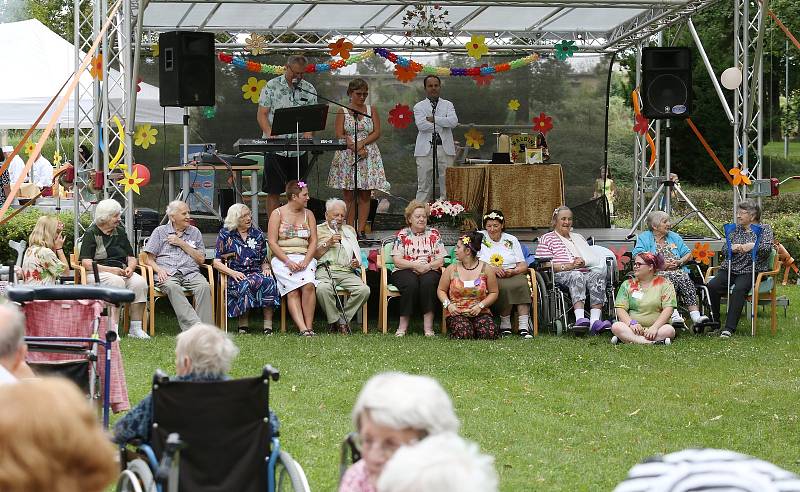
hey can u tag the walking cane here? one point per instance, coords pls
(728, 230)
(757, 230)
(343, 318)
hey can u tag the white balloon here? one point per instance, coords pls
(731, 78)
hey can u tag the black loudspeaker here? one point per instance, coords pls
(667, 83)
(186, 68)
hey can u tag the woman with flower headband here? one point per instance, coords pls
(576, 269)
(467, 288)
(503, 253)
(644, 304)
(292, 236)
(418, 253)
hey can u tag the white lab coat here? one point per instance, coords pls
(446, 119)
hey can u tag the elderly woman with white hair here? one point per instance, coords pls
(660, 240)
(242, 254)
(338, 255)
(202, 353)
(395, 409)
(440, 463)
(106, 243)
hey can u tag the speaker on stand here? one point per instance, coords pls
(667, 83)
(186, 69)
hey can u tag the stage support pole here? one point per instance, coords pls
(710, 70)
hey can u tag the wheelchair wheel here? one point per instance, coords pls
(137, 477)
(289, 475)
(543, 298)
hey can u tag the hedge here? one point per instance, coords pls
(20, 227)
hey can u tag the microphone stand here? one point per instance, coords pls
(434, 148)
(356, 114)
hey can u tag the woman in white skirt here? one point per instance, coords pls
(292, 236)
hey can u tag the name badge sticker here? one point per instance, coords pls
(469, 284)
(637, 294)
(303, 233)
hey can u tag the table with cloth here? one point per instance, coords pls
(510, 188)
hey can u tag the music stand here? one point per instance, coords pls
(311, 118)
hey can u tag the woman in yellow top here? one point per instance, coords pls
(292, 236)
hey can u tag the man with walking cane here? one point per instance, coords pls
(339, 256)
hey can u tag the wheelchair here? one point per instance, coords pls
(703, 301)
(555, 308)
(212, 436)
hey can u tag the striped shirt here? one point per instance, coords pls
(550, 245)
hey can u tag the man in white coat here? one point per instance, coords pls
(429, 113)
(17, 164)
(42, 172)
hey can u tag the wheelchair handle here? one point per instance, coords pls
(171, 449)
(270, 372)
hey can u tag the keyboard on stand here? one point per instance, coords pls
(278, 144)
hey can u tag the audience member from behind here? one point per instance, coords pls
(5, 180)
(175, 251)
(707, 470)
(202, 353)
(467, 288)
(644, 304)
(51, 440)
(17, 164)
(12, 346)
(44, 262)
(441, 463)
(395, 409)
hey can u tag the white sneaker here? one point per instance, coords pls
(138, 333)
(614, 340)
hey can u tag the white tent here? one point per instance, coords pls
(36, 62)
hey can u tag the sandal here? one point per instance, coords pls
(307, 333)
(267, 331)
(243, 330)
(400, 333)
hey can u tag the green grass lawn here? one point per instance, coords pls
(558, 413)
(775, 149)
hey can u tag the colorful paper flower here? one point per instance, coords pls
(496, 260)
(301, 184)
(542, 123)
(641, 125)
(513, 104)
(341, 47)
(131, 181)
(474, 138)
(256, 44)
(56, 158)
(622, 257)
(400, 116)
(154, 49)
(404, 74)
(565, 49)
(145, 135)
(739, 177)
(252, 89)
(476, 47)
(702, 253)
(209, 112)
(96, 69)
(29, 147)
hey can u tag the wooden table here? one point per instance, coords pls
(183, 172)
(527, 194)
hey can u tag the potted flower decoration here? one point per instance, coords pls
(451, 218)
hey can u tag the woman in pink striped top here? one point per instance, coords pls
(577, 268)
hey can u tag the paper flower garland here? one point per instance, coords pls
(476, 47)
(513, 104)
(543, 123)
(739, 177)
(131, 182)
(565, 49)
(401, 116)
(256, 44)
(642, 124)
(96, 70)
(474, 138)
(252, 89)
(209, 112)
(29, 147)
(702, 253)
(145, 136)
(404, 74)
(482, 80)
(341, 47)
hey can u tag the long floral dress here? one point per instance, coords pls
(371, 175)
(247, 256)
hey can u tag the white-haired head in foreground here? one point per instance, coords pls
(204, 350)
(440, 463)
(405, 401)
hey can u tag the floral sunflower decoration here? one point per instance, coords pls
(96, 68)
(404, 74)
(739, 177)
(252, 89)
(543, 123)
(702, 253)
(476, 47)
(474, 138)
(341, 47)
(29, 147)
(145, 136)
(565, 49)
(400, 116)
(256, 44)
(131, 181)
(642, 124)
(496, 260)
(56, 158)
(513, 104)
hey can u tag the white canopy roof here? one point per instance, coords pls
(36, 62)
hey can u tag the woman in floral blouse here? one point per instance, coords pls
(503, 253)
(44, 262)
(418, 255)
(243, 247)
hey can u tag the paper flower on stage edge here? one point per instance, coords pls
(256, 44)
(542, 123)
(96, 69)
(400, 116)
(513, 104)
(131, 181)
(404, 74)
(496, 260)
(154, 49)
(341, 47)
(209, 112)
(565, 49)
(56, 158)
(476, 47)
(622, 257)
(145, 136)
(29, 147)
(739, 177)
(702, 253)
(474, 138)
(252, 89)
(641, 125)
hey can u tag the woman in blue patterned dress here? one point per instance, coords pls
(242, 256)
